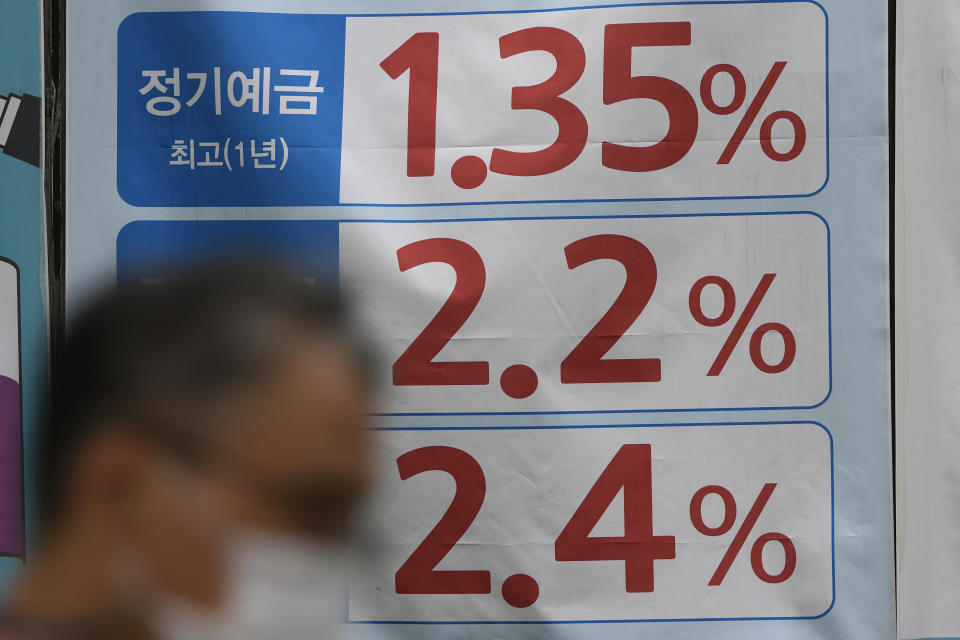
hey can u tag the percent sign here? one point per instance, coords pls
(746, 527)
(740, 327)
(738, 100)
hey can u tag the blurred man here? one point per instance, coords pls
(205, 453)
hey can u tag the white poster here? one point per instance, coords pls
(625, 266)
(927, 312)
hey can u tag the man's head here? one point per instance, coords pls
(217, 401)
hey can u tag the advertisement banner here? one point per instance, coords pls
(625, 266)
(23, 356)
(928, 304)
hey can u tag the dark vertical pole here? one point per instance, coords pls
(892, 200)
(54, 169)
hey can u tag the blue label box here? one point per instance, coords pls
(147, 248)
(212, 107)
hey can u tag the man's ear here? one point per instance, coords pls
(109, 475)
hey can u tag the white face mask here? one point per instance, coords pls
(280, 588)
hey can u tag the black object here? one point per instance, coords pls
(20, 127)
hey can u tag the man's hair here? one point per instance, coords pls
(179, 346)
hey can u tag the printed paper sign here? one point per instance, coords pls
(23, 275)
(607, 314)
(635, 102)
(11, 456)
(629, 523)
(624, 268)
(927, 309)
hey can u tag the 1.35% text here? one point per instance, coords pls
(419, 56)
